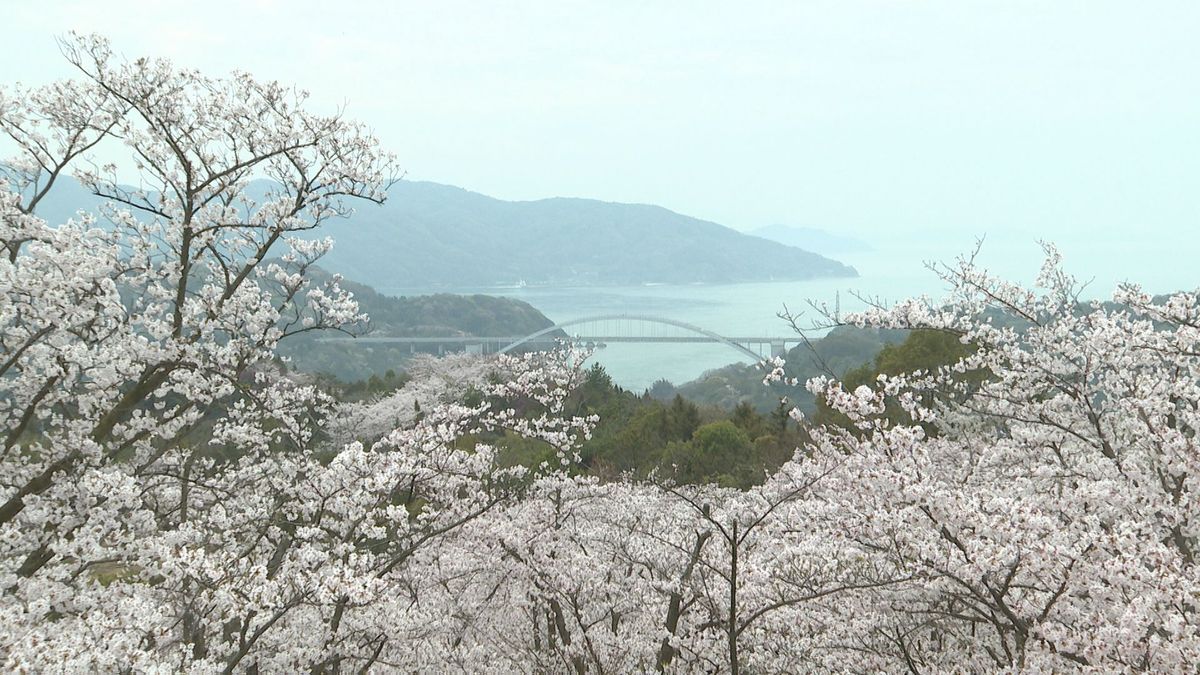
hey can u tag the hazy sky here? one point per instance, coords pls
(1078, 121)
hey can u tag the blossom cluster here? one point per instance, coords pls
(172, 499)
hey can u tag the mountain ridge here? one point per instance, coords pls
(467, 239)
(433, 236)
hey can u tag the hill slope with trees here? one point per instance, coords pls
(437, 315)
(428, 235)
(436, 235)
(844, 348)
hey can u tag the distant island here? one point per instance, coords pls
(431, 235)
(812, 239)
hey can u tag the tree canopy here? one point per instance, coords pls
(1012, 489)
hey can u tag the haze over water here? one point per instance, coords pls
(890, 272)
(913, 126)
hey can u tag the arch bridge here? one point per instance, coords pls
(602, 329)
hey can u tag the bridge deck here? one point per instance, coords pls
(602, 324)
(470, 339)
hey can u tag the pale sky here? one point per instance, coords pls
(1077, 121)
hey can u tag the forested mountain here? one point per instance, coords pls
(443, 314)
(428, 234)
(438, 315)
(432, 235)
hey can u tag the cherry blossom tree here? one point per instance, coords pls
(167, 496)
(433, 381)
(172, 498)
(1050, 523)
(1033, 509)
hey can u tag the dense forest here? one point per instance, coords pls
(839, 351)
(438, 315)
(643, 436)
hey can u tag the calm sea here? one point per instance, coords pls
(751, 309)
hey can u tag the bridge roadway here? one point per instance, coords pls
(605, 322)
(491, 345)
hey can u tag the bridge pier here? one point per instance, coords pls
(778, 349)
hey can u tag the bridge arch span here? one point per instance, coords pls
(635, 317)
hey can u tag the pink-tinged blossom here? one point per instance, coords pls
(173, 500)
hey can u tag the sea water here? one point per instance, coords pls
(886, 274)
